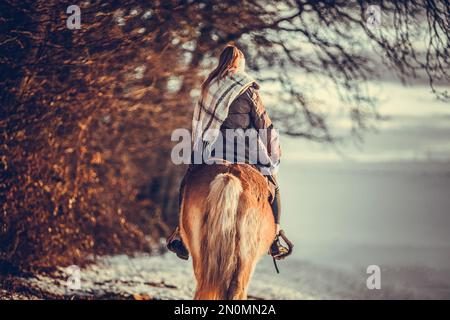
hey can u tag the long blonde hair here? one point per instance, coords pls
(228, 62)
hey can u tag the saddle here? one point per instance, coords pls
(271, 183)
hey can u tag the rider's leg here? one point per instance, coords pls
(276, 208)
(174, 241)
(276, 202)
(277, 250)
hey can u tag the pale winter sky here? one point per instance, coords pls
(418, 125)
(417, 129)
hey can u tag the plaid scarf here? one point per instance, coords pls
(212, 109)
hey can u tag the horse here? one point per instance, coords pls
(227, 225)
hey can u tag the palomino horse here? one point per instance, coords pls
(227, 224)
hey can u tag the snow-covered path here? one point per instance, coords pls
(167, 277)
(157, 277)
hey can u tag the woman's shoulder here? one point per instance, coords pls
(252, 93)
(252, 90)
(255, 86)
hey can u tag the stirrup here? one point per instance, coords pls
(289, 249)
(285, 251)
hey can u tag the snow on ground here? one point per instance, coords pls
(157, 277)
(167, 277)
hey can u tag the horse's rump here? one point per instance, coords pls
(227, 224)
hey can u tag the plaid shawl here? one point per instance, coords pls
(212, 110)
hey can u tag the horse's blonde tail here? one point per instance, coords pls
(219, 248)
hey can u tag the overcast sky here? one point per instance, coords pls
(418, 125)
(418, 129)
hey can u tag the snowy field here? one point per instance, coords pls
(342, 218)
(167, 277)
(152, 277)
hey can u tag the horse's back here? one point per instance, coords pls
(201, 176)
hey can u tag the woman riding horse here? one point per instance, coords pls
(230, 101)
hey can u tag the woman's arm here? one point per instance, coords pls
(261, 121)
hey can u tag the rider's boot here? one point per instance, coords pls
(277, 250)
(175, 244)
